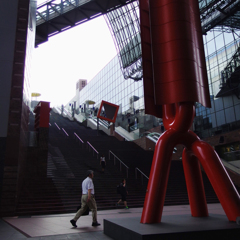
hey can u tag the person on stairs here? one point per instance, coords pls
(123, 192)
(88, 200)
(103, 162)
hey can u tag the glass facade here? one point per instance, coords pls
(221, 46)
(124, 25)
(109, 85)
(224, 114)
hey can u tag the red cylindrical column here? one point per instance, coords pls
(157, 184)
(195, 187)
(219, 178)
(178, 60)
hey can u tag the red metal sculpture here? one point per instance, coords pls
(174, 79)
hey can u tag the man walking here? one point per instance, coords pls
(88, 200)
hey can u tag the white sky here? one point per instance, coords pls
(78, 53)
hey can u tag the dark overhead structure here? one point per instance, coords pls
(215, 13)
(54, 18)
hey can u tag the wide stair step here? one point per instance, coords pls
(68, 162)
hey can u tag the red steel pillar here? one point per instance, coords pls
(195, 187)
(175, 76)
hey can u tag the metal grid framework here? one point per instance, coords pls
(225, 13)
(125, 28)
(56, 16)
(224, 16)
(233, 22)
(124, 25)
(50, 10)
(232, 66)
(230, 77)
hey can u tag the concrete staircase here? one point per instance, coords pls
(68, 162)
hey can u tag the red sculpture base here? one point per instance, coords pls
(177, 119)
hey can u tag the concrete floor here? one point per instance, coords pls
(57, 226)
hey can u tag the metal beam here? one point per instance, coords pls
(52, 16)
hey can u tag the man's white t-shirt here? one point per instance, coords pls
(86, 185)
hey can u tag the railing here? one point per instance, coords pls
(49, 9)
(101, 122)
(120, 161)
(57, 109)
(66, 134)
(79, 139)
(67, 114)
(57, 126)
(104, 123)
(80, 117)
(154, 136)
(91, 147)
(142, 174)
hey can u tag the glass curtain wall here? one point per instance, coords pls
(220, 45)
(124, 25)
(109, 85)
(224, 115)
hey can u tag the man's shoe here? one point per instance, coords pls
(95, 224)
(73, 222)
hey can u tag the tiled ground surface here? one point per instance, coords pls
(56, 227)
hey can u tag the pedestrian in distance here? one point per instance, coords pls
(87, 200)
(103, 162)
(123, 192)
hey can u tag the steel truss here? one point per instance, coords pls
(231, 77)
(224, 13)
(55, 16)
(125, 29)
(224, 16)
(221, 15)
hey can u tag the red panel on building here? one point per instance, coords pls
(108, 111)
(42, 111)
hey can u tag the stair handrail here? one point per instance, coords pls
(101, 122)
(65, 132)
(78, 138)
(57, 126)
(142, 174)
(94, 150)
(121, 162)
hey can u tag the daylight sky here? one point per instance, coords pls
(78, 53)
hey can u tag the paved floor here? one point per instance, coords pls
(58, 227)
